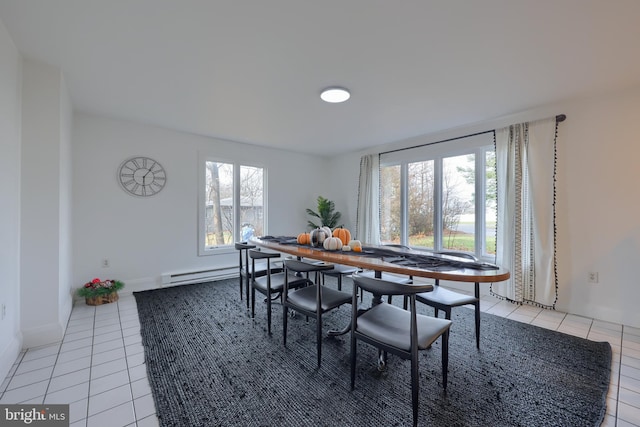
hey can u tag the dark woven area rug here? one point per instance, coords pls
(210, 364)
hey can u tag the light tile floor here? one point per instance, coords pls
(99, 369)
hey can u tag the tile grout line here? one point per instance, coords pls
(55, 363)
(93, 337)
(9, 378)
(619, 376)
(126, 362)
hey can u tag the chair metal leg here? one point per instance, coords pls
(415, 388)
(319, 336)
(445, 359)
(477, 307)
(284, 323)
(354, 344)
(247, 288)
(253, 302)
(269, 313)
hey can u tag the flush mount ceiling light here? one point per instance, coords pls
(335, 94)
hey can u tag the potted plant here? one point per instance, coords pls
(326, 213)
(97, 292)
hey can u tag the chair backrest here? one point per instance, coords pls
(305, 267)
(243, 249)
(384, 287)
(258, 253)
(458, 254)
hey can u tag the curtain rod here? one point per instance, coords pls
(559, 119)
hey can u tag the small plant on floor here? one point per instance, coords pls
(98, 288)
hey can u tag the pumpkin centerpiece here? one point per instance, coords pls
(332, 244)
(355, 245)
(317, 237)
(343, 234)
(304, 239)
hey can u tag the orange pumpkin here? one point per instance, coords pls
(303, 239)
(343, 234)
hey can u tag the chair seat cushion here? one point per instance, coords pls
(389, 324)
(305, 298)
(277, 282)
(444, 296)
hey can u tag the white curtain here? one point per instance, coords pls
(526, 169)
(368, 213)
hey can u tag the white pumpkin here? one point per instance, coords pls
(355, 244)
(327, 230)
(346, 248)
(332, 244)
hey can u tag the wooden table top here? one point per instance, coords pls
(379, 264)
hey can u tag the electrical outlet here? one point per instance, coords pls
(593, 277)
(105, 263)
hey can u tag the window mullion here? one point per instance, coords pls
(437, 201)
(480, 201)
(236, 202)
(404, 203)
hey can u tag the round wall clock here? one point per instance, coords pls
(142, 176)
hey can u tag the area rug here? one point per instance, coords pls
(210, 364)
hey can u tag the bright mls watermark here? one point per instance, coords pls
(34, 415)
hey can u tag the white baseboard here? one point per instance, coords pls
(42, 335)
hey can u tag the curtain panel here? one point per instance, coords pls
(526, 175)
(368, 212)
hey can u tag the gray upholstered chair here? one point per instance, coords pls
(445, 299)
(270, 284)
(397, 331)
(312, 301)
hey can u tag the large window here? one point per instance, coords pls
(440, 196)
(232, 206)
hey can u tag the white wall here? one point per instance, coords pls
(45, 301)
(10, 111)
(597, 200)
(145, 237)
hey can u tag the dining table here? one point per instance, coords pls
(391, 259)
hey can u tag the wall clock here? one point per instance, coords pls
(142, 176)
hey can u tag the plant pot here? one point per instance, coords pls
(102, 299)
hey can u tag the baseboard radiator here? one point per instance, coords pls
(199, 276)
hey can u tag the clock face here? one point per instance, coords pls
(142, 176)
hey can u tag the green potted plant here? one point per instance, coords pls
(97, 292)
(326, 213)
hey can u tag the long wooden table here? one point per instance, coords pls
(378, 264)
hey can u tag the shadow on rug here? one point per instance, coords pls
(210, 364)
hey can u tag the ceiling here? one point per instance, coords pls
(252, 71)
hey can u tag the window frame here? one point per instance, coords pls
(478, 145)
(203, 158)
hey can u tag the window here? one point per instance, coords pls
(440, 196)
(232, 206)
